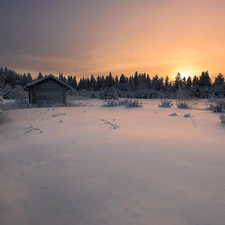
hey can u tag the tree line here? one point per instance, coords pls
(140, 84)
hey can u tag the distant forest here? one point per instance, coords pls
(140, 85)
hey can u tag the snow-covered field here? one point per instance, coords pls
(65, 166)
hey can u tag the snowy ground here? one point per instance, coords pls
(65, 166)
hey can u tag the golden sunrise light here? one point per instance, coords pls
(82, 38)
(184, 73)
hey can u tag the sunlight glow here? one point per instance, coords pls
(185, 74)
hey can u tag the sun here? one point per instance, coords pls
(185, 74)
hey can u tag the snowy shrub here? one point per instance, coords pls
(85, 93)
(218, 106)
(109, 93)
(153, 94)
(165, 103)
(48, 104)
(183, 105)
(1, 99)
(93, 95)
(73, 104)
(2, 106)
(14, 93)
(141, 94)
(6, 92)
(21, 95)
(131, 103)
(72, 92)
(23, 104)
(17, 104)
(128, 103)
(111, 103)
(222, 118)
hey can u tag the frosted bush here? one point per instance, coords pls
(165, 103)
(18, 104)
(109, 93)
(84, 93)
(48, 104)
(14, 93)
(2, 106)
(218, 106)
(222, 118)
(183, 105)
(111, 103)
(128, 103)
(131, 103)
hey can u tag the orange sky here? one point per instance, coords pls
(84, 37)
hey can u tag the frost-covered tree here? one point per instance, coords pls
(219, 79)
(195, 81)
(2, 76)
(205, 80)
(178, 81)
(93, 83)
(157, 83)
(188, 83)
(40, 75)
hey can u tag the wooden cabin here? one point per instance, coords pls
(47, 89)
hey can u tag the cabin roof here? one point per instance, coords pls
(52, 77)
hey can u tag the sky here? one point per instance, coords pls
(85, 37)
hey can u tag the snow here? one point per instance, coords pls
(67, 166)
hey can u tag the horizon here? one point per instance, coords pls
(114, 76)
(84, 38)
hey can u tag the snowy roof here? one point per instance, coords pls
(35, 82)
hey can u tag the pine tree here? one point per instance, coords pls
(93, 83)
(136, 79)
(24, 80)
(2, 76)
(219, 79)
(149, 84)
(122, 79)
(184, 82)
(178, 81)
(167, 81)
(109, 81)
(70, 81)
(74, 85)
(61, 76)
(157, 83)
(116, 80)
(99, 82)
(29, 78)
(195, 81)
(205, 80)
(188, 83)
(11, 77)
(40, 75)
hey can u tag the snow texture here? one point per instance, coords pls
(153, 170)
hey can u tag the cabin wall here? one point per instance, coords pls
(31, 95)
(49, 91)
